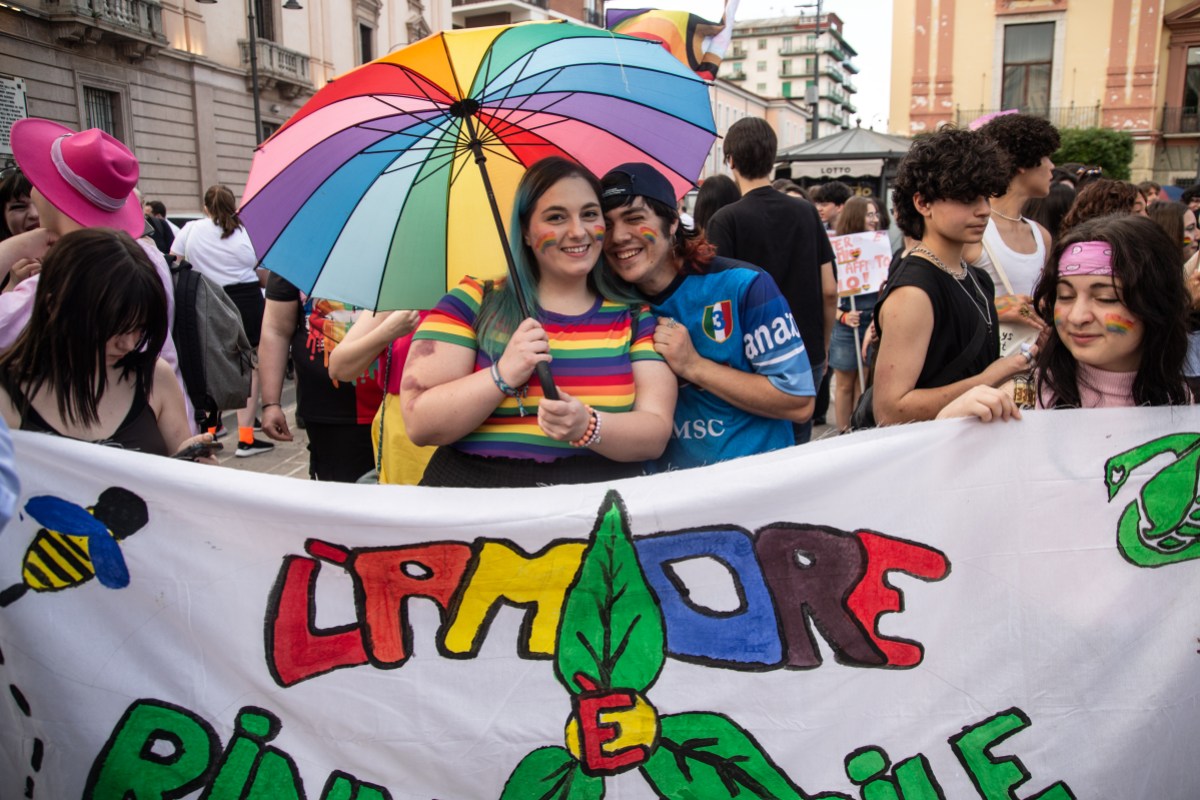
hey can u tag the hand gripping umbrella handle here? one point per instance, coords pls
(549, 390)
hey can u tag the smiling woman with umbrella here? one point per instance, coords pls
(467, 382)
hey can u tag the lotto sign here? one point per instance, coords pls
(1020, 625)
(862, 261)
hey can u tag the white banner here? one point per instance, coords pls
(944, 610)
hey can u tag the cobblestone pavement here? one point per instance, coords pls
(291, 458)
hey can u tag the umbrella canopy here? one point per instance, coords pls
(371, 193)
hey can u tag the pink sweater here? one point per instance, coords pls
(1098, 388)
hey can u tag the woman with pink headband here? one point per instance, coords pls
(1114, 297)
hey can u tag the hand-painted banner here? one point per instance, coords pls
(863, 260)
(945, 610)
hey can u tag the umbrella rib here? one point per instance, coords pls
(529, 96)
(506, 156)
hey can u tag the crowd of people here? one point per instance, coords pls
(654, 341)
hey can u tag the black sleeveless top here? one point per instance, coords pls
(138, 431)
(956, 317)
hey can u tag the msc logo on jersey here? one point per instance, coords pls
(718, 321)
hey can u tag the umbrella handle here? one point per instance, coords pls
(549, 390)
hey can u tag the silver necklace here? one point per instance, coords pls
(937, 262)
(978, 300)
(1002, 215)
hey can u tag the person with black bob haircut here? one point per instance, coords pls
(716, 192)
(20, 214)
(936, 321)
(87, 366)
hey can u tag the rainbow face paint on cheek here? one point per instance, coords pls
(546, 242)
(598, 233)
(1060, 318)
(1115, 323)
(649, 234)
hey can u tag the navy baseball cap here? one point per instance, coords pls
(620, 184)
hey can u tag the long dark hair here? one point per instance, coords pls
(500, 313)
(1150, 284)
(95, 284)
(223, 208)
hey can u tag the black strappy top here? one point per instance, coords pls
(138, 431)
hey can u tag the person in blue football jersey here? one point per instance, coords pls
(723, 327)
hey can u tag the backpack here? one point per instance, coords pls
(215, 357)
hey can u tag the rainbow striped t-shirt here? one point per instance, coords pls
(593, 355)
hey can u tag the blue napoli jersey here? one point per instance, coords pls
(736, 317)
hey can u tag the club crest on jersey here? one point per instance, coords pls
(718, 321)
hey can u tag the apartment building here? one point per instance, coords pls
(172, 79)
(1129, 65)
(803, 58)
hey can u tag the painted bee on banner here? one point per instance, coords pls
(76, 544)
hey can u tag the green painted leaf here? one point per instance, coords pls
(612, 627)
(705, 756)
(551, 773)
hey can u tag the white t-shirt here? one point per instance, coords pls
(1022, 269)
(222, 261)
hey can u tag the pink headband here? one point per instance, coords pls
(1086, 258)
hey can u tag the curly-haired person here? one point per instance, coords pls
(938, 329)
(1014, 247)
(1102, 197)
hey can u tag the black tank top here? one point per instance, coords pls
(138, 431)
(956, 317)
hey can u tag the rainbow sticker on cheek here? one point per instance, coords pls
(546, 242)
(649, 234)
(1059, 319)
(1115, 323)
(598, 233)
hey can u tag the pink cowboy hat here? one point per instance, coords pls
(88, 176)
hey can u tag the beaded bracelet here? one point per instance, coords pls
(592, 435)
(508, 390)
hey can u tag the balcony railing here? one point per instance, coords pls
(1181, 119)
(278, 67)
(836, 74)
(736, 76)
(794, 72)
(798, 50)
(1059, 116)
(592, 17)
(135, 26)
(737, 52)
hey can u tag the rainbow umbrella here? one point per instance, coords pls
(397, 178)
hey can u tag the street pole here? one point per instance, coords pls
(816, 106)
(254, 71)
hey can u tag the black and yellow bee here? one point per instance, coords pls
(76, 544)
